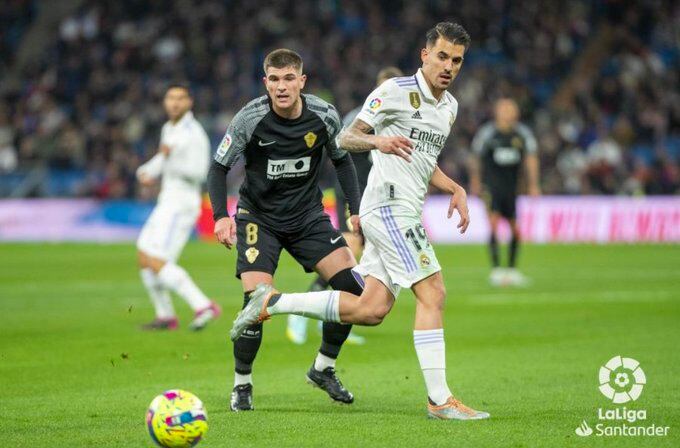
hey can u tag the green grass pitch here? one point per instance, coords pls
(76, 371)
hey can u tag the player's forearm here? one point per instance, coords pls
(473, 170)
(442, 182)
(533, 172)
(217, 189)
(355, 140)
(347, 176)
(153, 167)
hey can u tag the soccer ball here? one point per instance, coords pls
(176, 419)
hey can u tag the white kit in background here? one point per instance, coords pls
(182, 173)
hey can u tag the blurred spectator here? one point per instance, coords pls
(93, 101)
(605, 164)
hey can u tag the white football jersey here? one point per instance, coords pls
(185, 169)
(406, 107)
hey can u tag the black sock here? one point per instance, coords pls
(319, 284)
(514, 248)
(335, 334)
(246, 347)
(493, 249)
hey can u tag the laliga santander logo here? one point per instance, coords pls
(375, 103)
(622, 379)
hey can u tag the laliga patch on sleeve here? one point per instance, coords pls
(224, 145)
(375, 104)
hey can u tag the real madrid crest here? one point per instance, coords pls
(414, 98)
(251, 254)
(424, 260)
(310, 138)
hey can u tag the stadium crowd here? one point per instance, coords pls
(92, 104)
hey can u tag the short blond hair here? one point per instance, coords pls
(388, 73)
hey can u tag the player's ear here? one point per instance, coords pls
(264, 81)
(423, 54)
(303, 80)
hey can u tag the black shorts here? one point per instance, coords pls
(259, 246)
(503, 203)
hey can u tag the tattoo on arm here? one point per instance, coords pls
(356, 138)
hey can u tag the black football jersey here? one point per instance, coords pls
(283, 159)
(501, 155)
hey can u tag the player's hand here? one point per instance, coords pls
(459, 202)
(146, 180)
(165, 149)
(534, 190)
(354, 224)
(225, 231)
(399, 146)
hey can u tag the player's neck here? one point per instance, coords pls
(436, 93)
(504, 127)
(179, 118)
(290, 113)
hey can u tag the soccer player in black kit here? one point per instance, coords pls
(282, 136)
(296, 330)
(500, 148)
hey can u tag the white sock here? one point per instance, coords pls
(322, 305)
(322, 362)
(176, 279)
(242, 379)
(432, 357)
(160, 297)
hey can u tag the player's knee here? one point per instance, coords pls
(380, 311)
(376, 313)
(436, 299)
(142, 260)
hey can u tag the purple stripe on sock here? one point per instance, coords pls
(417, 341)
(427, 342)
(429, 336)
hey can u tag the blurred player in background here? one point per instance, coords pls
(499, 149)
(283, 136)
(182, 164)
(412, 117)
(296, 330)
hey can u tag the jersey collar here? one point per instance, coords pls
(187, 117)
(425, 89)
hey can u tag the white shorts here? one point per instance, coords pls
(397, 252)
(167, 230)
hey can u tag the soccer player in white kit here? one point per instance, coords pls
(412, 117)
(182, 164)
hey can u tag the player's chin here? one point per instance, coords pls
(444, 82)
(283, 102)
